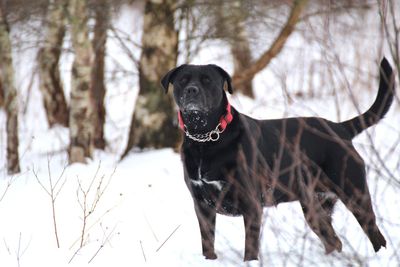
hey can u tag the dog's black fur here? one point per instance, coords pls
(257, 163)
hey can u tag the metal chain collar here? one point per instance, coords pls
(205, 137)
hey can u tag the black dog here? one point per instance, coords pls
(236, 165)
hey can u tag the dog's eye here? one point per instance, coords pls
(205, 79)
(184, 80)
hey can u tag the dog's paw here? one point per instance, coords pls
(378, 241)
(210, 255)
(250, 257)
(339, 247)
(329, 248)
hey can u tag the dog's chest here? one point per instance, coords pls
(207, 180)
(215, 187)
(211, 187)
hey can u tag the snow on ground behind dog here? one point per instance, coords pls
(139, 212)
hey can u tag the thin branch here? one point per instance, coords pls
(89, 207)
(122, 42)
(73, 256)
(168, 238)
(52, 191)
(248, 74)
(102, 244)
(21, 251)
(144, 255)
(94, 223)
(9, 183)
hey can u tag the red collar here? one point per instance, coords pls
(223, 121)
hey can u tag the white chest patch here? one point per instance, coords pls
(217, 184)
(202, 181)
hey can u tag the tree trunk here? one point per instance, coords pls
(240, 48)
(230, 26)
(1, 95)
(50, 83)
(98, 85)
(10, 95)
(81, 123)
(154, 115)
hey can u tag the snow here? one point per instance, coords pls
(143, 213)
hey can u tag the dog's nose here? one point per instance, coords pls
(191, 90)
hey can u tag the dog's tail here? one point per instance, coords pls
(381, 105)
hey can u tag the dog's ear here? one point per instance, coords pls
(169, 78)
(226, 76)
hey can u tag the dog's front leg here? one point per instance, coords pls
(206, 217)
(252, 224)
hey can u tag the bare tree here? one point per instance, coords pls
(231, 26)
(232, 21)
(10, 93)
(240, 78)
(152, 121)
(81, 106)
(102, 16)
(48, 58)
(242, 58)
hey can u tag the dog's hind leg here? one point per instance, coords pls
(353, 191)
(358, 201)
(317, 213)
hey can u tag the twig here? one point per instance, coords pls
(19, 252)
(168, 238)
(83, 205)
(102, 245)
(93, 224)
(73, 256)
(144, 255)
(52, 191)
(87, 212)
(7, 188)
(151, 228)
(123, 44)
(6, 246)
(89, 208)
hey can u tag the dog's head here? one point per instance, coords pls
(198, 88)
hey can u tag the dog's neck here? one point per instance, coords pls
(196, 122)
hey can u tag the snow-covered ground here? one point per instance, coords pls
(138, 211)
